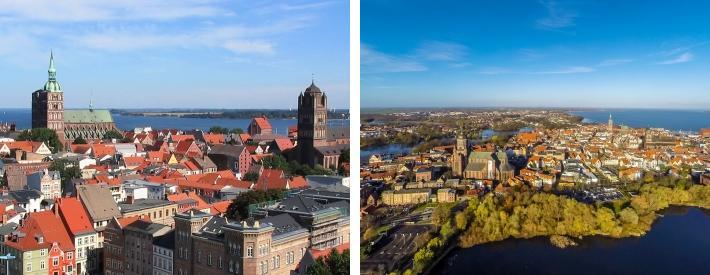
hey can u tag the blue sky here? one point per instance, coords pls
(162, 53)
(525, 53)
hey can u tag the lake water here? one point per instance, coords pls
(394, 149)
(677, 244)
(676, 120)
(23, 118)
(400, 149)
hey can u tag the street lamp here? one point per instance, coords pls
(7, 258)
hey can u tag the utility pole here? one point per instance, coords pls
(7, 259)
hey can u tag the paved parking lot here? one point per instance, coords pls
(395, 249)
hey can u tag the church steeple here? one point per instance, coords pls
(52, 71)
(52, 85)
(610, 125)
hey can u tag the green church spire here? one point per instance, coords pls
(52, 85)
(52, 71)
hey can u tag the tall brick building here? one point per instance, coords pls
(458, 159)
(312, 123)
(316, 142)
(48, 112)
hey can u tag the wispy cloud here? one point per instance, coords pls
(530, 54)
(427, 54)
(557, 17)
(441, 51)
(567, 70)
(494, 71)
(240, 39)
(564, 70)
(614, 62)
(682, 58)
(268, 7)
(88, 10)
(373, 61)
(675, 48)
(138, 25)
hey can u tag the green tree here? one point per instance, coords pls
(275, 162)
(441, 214)
(251, 176)
(345, 156)
(79, 140)
(629, 217)
(113, 134)
(461, 220)
(370, 233)
(237, 131)
(334, 264)
(218, 130)
(68, 170)
(239, 208)
(48, 136)
(434, 244)
(422, 259)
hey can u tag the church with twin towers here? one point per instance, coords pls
(48, 112)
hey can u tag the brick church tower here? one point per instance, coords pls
(48, 104)
(312, 124)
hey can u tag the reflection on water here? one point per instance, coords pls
(391, 149)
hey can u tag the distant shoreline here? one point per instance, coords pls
(382, 110)
(224, 114)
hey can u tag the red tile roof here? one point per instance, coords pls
(27, 146)
(133, 161)
(183, 147)
(156, 156)
(80, 148)
(262, 122)
(214, 138)
(123, 222)
(221, 206)
(74, 215)
(44, 224)
(298, 183)
(317, 253)
(179, 138)
(201, 204)
(244, 137)
(271, 179)
(283, 144)
(101, 150)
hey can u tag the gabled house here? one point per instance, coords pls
(45, 246)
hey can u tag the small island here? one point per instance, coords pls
(562, 241)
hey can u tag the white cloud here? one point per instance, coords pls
(373, 61)
(614, 62)
(103, 10)
(685, 57)
(441, 51)
(240, 46)
(268, 7)
(531, 54)
(568, 70)
(557, 16)
(137, 25)
(494, 71)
